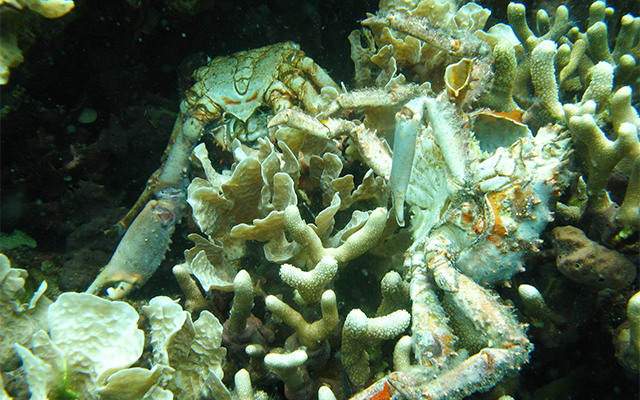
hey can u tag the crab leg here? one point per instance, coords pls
(327, 129)
(143, 247)
(508, 347)
(434, 377)
(433, 339)
(372, 98)
(121, 227)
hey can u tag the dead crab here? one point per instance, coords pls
(478, 202)
(229, 90)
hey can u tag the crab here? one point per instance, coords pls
(477, 200)
(230, 91)
(478, 203)
(234, 87)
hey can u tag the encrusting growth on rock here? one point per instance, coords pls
(587, 262)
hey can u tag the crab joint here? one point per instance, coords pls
(408, 122)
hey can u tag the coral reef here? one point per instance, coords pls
(566, 64)
(627, 338)
(505, 218)
(358, 330)
(19, 321)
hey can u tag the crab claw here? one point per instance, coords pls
(140, 251)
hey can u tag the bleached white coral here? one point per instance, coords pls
(87, 350)
(18, 321)
(192, 350)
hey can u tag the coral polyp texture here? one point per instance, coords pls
(328, 265)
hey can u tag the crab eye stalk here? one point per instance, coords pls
(192, 96)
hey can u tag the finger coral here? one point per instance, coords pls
(358, 331)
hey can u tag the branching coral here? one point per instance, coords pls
(243, 389)
(242, 303)
(604, 155)
(309, 285)
(565, 64)
(352, 247)
(309, 335)
(288, 368)
(395, 294)
(357, 334)
(516, 13)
